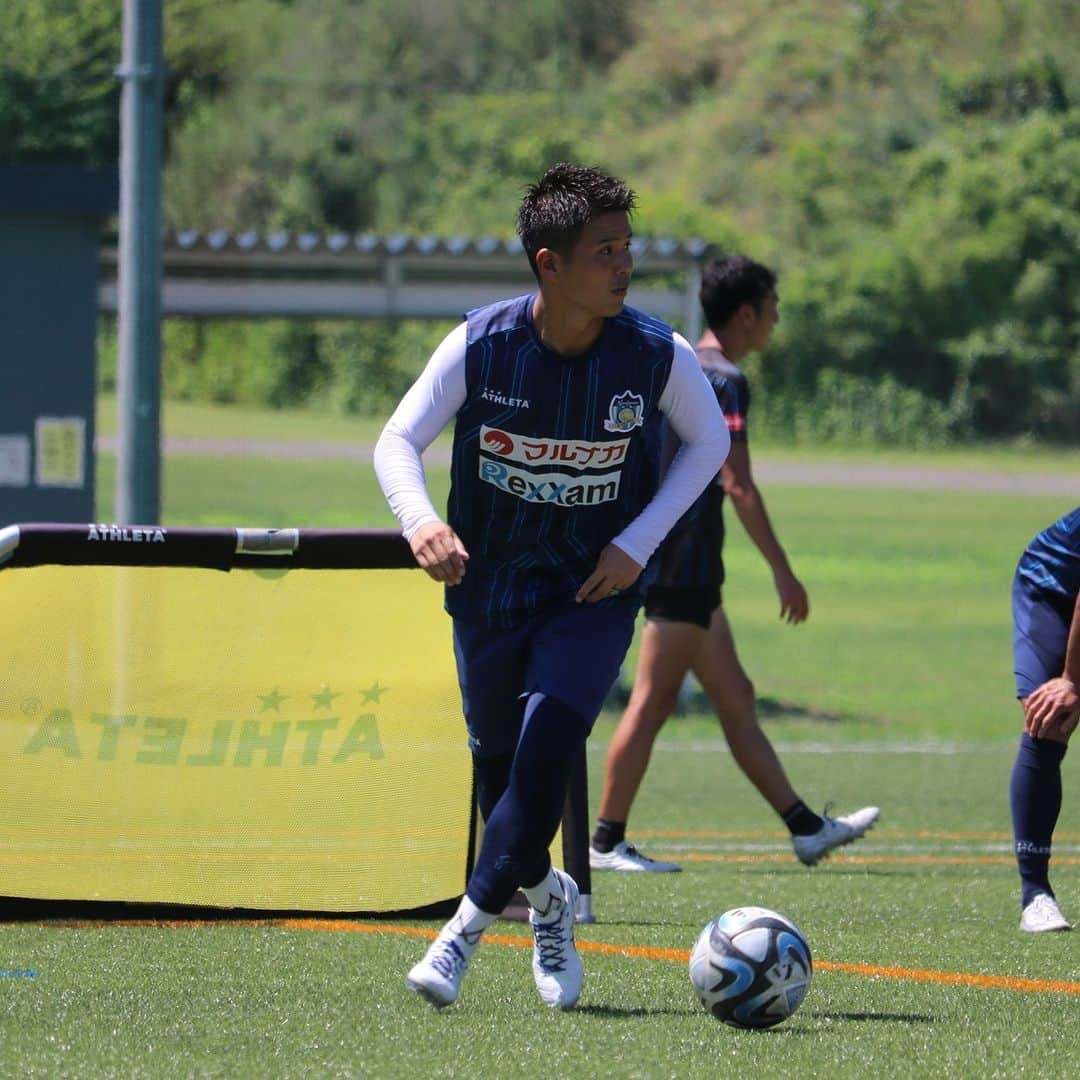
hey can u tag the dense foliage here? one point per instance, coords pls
(912, 169)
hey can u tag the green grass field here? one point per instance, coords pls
(910, 932)
(897, 692)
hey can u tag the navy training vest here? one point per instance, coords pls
(553, 456)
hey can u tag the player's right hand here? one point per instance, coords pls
(1051, 712)
(439, 550)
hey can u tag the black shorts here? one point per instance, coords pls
(687, 604)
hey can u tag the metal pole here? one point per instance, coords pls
(693, 319)
(138, 466)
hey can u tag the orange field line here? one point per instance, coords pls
(883, 834)
(682, 956)
(641, 952)
(896, 860)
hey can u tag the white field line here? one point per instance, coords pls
(933, 749)
(884, 846)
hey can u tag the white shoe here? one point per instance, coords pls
(1043, 914)
(834, 833)
(556, 965)
(437, 978)
(624, 856)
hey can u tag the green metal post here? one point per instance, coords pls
(138, 472)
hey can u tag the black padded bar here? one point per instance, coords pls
(94, 544)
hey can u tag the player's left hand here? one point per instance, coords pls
(615, 572)
(1052, 710)
(794, 603)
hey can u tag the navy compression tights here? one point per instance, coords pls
(521, 797)
(1035, 795)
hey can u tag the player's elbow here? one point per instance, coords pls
(741, 492)
(720, 446)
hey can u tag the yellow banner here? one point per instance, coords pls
(262, 738)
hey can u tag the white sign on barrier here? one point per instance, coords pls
(14, 461)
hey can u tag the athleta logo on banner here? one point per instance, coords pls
(124, 535)
(574, 453)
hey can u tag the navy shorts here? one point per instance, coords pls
(572, 654)
(1040, 635)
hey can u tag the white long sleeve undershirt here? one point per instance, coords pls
(431, 403)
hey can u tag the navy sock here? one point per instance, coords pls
(801, 820)
(607, 834)
(1035, 799)
(523, 823)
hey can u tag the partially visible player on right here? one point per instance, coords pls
(1046, 662)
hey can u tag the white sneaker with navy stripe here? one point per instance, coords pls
(624, 856)
(437, 978)
(834, 833)
(557, 967)
(1043, 915)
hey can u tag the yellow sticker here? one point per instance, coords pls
(59, 452)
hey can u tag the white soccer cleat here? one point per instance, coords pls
(624, 856)
(1043, 915)
(437, 978)
(834, 833)
(556, 965)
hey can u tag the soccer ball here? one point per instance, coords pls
(751, 967)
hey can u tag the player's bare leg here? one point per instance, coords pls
(731, 692)
(729, 689)
(667, 651)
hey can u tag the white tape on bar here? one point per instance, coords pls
(267, 541)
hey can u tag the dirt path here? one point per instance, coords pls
(823, 475)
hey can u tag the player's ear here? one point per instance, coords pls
(547, 263)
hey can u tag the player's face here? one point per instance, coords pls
(765, 319)
(596, 275)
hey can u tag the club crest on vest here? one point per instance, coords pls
(625, 412)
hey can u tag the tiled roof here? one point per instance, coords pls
(338, 243)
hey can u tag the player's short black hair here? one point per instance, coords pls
(728, 282)
(562, 202)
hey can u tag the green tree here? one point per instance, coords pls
(58, 94)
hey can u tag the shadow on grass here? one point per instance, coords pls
(696, 702)
(772, 709)
(614, 1012)
(666, 923)
(889, 1018)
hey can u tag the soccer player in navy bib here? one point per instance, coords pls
(686, 628)
(1046, 663)
(555, 508)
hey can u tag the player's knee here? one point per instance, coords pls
(649, 709)
(734, 700)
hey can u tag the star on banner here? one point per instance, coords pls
(373, 693)
(272, 700)
(324, 698)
